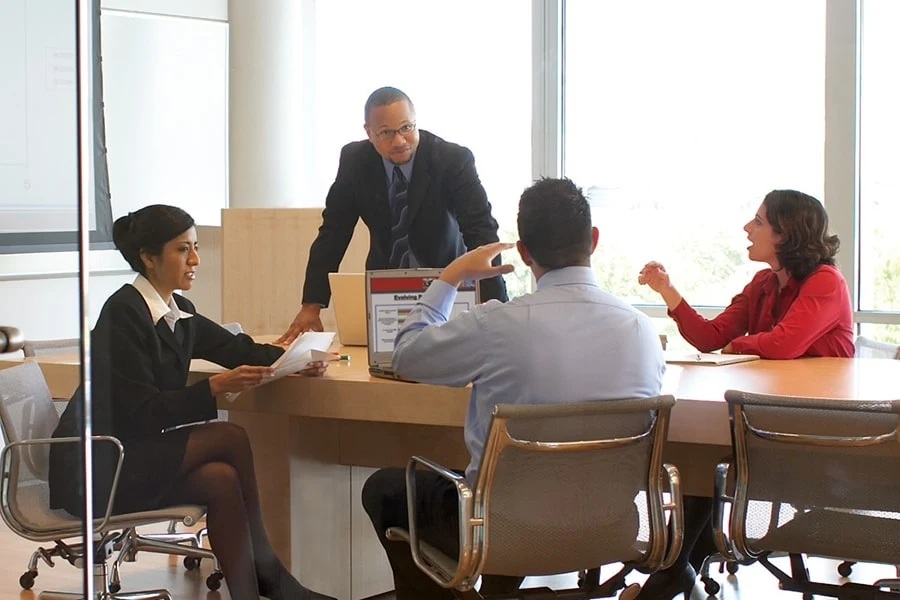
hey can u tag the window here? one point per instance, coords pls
(467, 67)
(674, 110)
(879, 208)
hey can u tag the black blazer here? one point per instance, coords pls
(446, 198)
(139, 381)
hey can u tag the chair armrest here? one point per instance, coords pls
(462, 576)
(439, 469)
(677, 507)
(69, 440)
(720, 498)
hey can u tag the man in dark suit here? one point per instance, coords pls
(419, 195)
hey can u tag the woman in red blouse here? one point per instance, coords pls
(799, 306)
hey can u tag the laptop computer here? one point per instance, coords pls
(348, 299)
(390, 296)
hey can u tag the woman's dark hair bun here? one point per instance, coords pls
(148, 230)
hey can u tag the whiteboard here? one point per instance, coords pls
(165, 85)
(38, 149)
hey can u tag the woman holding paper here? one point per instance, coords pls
(799, 306)
(141, 349)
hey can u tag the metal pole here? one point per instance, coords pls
(85, 11)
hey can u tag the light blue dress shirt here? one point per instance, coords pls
(569, 341)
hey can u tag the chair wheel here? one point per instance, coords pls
(845, 568)
(214, 581)
(711, 586)
(27, 579)
(115, 588)
(732, 567)
(807, 597)
(191, 563)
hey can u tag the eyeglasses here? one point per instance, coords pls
(388, 134)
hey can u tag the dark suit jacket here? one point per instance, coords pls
(446, 198)
(139, 382)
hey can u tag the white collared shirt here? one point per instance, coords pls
(159, 309)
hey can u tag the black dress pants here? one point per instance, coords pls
(437, 511)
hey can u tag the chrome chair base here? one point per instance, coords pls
(129, 543)
(188, 545)
(101, 585)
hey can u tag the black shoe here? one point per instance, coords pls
(665, 585)
(296, 594)
(286, 587)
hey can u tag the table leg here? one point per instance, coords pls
(305, 495)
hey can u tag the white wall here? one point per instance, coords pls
(39, 292)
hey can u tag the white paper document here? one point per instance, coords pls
(300, 353)
(310, 347)
(707, 358)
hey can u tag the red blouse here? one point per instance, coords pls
(807, 318)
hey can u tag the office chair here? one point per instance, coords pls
(131, 543)
(561, 488)
(27, 420)
(11, 339)
(865, 348)
(57, 346)
(811, 476)
(34, 348)
(869, 348)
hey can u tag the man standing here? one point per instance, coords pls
(419, 195)
(569, 341)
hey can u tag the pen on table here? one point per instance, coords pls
(340, 356)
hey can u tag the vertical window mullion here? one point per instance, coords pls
(841, 133)
(546, 131)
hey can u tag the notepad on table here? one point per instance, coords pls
(707, 358)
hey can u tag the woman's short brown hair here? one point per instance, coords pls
(802, 223)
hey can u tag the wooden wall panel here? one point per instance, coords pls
(264, 255)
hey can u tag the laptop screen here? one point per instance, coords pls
(392, 294)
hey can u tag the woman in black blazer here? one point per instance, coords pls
(141, 351)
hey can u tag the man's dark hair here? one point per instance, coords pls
(802, 223)
(555, 223)
(384, 96)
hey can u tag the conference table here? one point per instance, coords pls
(315, 440)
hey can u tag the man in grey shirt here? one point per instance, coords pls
(569, 341)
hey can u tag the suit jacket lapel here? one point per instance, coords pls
(379, 212)
(168, 337)
(421, 178)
